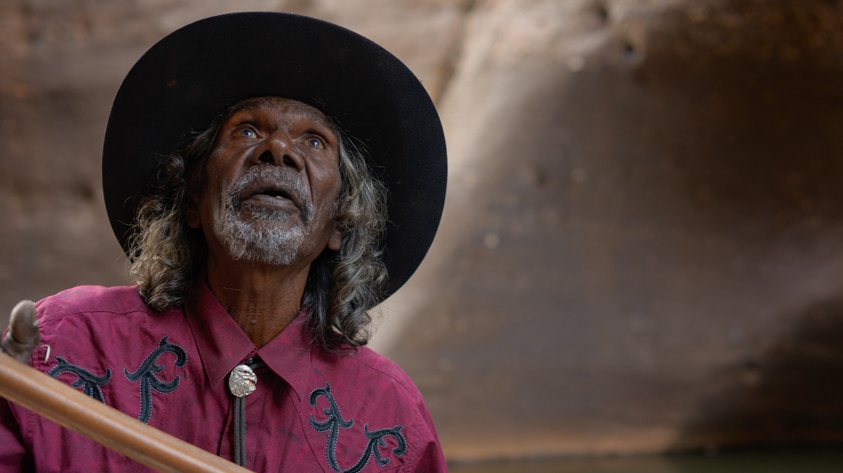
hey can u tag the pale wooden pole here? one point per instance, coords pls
(60, 403)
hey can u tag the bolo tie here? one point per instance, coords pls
(242, 381)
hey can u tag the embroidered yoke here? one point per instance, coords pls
(311, 411)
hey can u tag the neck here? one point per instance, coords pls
(262, 299)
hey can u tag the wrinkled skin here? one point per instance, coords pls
(288, 208)
(23, 335)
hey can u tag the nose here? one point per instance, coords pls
(279, 150)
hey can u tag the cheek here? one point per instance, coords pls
(209, 203)
(213, 170)
(332, 181)
(199, 213)
(219, 177)
(330, 194)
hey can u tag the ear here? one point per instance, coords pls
(335, 240)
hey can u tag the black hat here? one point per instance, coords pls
(189, 77)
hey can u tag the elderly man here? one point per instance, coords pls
(271, 177)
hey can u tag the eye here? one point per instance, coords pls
(246, 131)
(315, 142)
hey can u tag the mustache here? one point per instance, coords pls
(272, 176)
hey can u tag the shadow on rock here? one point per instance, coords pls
(790, 397)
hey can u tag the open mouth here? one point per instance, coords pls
(271, 194)
(277, 193)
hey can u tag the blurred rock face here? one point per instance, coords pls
(641, 246)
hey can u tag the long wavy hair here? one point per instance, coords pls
(167, 255)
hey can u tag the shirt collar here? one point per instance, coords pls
(222, 344)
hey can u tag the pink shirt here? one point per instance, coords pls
(311, 412)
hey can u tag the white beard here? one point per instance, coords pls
(259, 239)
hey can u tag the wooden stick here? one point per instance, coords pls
(50, 398)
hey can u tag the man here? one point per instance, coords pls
(272, 177)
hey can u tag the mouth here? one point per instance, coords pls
(271, 195)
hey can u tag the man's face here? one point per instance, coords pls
(271, 184)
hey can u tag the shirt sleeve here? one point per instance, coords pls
(14, 455)
(431, 459)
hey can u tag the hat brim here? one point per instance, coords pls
(185, 80)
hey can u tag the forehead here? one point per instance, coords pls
(280, 106)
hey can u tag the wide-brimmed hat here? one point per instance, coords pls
(189, 77)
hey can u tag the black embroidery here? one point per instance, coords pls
(89, 382)
(332, 425)
(376, 440)
(148, 381)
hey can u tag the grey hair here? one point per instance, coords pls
(167, 255)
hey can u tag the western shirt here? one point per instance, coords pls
(312, 411)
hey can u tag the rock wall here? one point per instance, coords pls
(641, 245)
